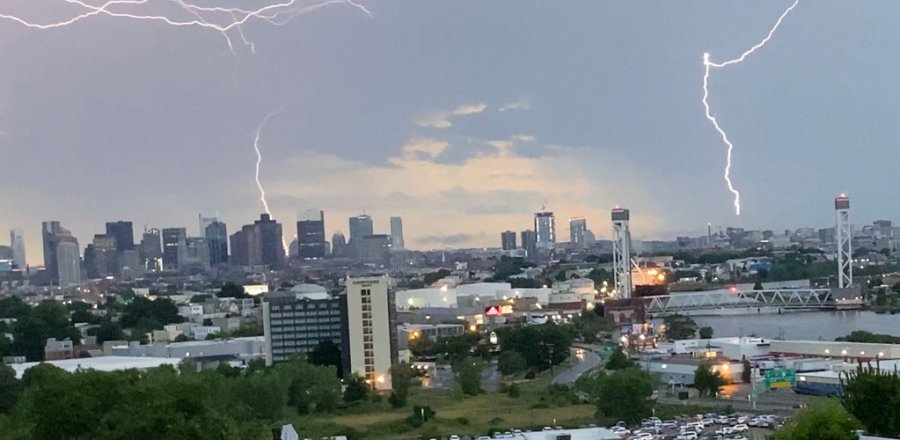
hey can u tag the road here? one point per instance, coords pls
(584, 359)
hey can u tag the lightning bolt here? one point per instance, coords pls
(259, 185)
(708, 66)
(200, 16)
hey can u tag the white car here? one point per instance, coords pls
(740, 427)
(454, 437)
(687, 436)
(643, 436)
(726, 430)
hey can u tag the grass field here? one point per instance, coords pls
(456, 414)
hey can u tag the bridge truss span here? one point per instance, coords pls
(752, 300)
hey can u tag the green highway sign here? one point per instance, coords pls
(780, 378)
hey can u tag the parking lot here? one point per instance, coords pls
(702, 426)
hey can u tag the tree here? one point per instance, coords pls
(758, 286)
(705, 332)
(825, 420)
(48, 320)
(109, 331)
(468, 375)
(619, 360)
(540, 345)
(327, 353)
(231, 290)
(431, 278)
(401, 379)
(264, 395)
(10, 388)
(511, 362)
(679, 327)
(420, 415)
(422, 347)
(625, 395)
(707, 381)
(357, 390)
(873, 396)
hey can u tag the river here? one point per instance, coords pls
(801, 325)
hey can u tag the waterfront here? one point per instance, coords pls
(801, 325)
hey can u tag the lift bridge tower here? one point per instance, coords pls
(844, 241)
(621, 253)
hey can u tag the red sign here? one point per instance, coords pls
(493, 311)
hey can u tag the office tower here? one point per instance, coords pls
(529, 243)
(49, 231)
(204, 222)
(68, 259)
(577, 227)
(397, 233)
(217, 239)
(271, 240)
(245, 249)
(545, 230)
(360, 226)
(508, 240)
(151, 249)
(294, 324)
(196, 253)
(174, 241)
(369, 329)
(373, 249)
(338, 245)
(123, 233)
(6, 254)
(100, 257)
(17, 243)
(311, 235)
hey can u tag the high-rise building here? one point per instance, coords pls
(49, 231)
(174, 241)
(196, 253)
(17, 243)
(258, 244)
(360, 226)
(529, 243)
(338, 245)
(374, 249)
(577, 228)
(295, 323)
(68, 259)
(151, 249)
(100, 257)
(123, 233)
(271, 240)
(397, 233)
(545, 230)
(369, 309)
(245, 248)
(311, 235)
(508, 240)
(204, 222)
(217, 239)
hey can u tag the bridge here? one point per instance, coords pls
(734, 302)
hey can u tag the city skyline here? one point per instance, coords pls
(481, 136)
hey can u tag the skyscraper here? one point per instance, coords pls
(577, 227)
(151, 249)
(369, 329)
(68, 260)
(311, 235)
(338, 245)
(544, 229)
(258, 244)
(17, 243)
(100, 257)
(123, 233)
(174, 241)
(360, 226)
(49, 231)
(397, 233)
(271, 240)
(217, 239)
(508, 240)
(529, 243)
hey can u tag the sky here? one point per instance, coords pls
(464, 117)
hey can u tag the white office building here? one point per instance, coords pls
(369, 329)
